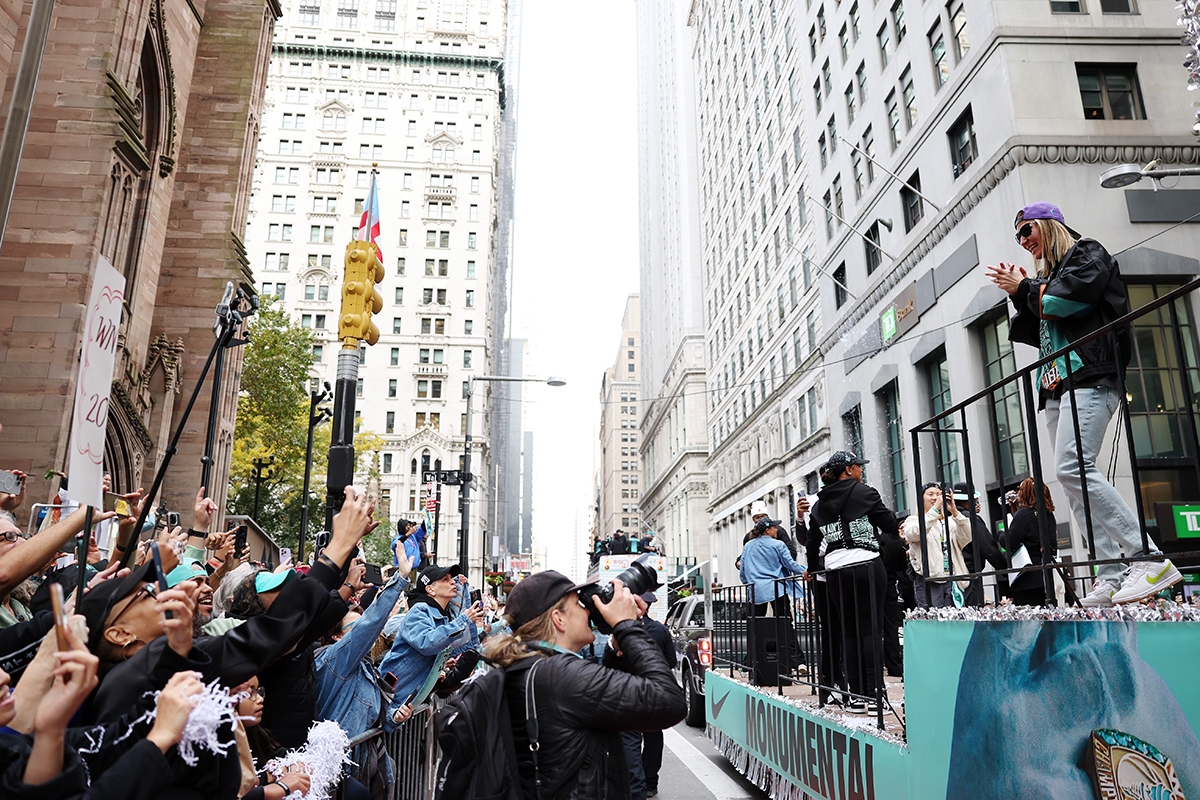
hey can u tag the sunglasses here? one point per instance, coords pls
(149, 589)
(1024, 232)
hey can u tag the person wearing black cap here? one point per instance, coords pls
(1078, 290)
(426, 630)
(580, 707)
(765, 560)
(847, 518)
(643, 750)
(304, 608)
(981, 550)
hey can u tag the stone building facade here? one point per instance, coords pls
(139, 149)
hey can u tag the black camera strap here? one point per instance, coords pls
(531, 726)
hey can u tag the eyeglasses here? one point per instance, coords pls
(10, 536)
(259, 692)
(1024, 232)
(149, 589)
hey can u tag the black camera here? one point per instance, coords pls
(639, 578)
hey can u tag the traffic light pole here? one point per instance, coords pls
(341, 451)
(360, 299)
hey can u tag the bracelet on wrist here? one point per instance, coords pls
(198, 534)
(286, 789)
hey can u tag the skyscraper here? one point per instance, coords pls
(417, 90)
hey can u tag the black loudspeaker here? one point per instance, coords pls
(771, 649)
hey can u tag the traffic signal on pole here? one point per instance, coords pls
(360, 298)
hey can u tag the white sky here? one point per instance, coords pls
(576, 239)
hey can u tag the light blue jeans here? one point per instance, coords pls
(1115, 526)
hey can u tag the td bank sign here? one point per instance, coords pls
(899, 316)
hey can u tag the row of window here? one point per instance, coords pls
(282, 261)
(425, 355)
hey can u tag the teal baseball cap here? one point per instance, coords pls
(270, 581)
(189, 568)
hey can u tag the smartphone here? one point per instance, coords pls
(374, 574)
(10, 482)
(239, 540)
(60, 616)
(172, 520)
(158, 571)
(476, 596)
(117, 503)
(389, 680)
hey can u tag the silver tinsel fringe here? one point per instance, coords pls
(1151, 611)
(760, 774)
(1189, 20)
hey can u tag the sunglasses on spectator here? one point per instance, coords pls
(149, 589)
(1024, 232)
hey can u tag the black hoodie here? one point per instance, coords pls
(861, 507)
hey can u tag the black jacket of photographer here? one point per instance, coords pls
(582, 709)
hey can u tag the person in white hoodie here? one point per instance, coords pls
(945, 537)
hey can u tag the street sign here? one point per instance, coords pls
(446, 477)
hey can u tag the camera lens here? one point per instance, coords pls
(639, 578)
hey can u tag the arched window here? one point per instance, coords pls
(425, 456)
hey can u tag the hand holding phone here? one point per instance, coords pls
(158, 571)
(58, 605)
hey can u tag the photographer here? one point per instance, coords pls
(580, 707)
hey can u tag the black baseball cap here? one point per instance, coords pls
(838, 462)
(432, 574)
(537, 594)
(766, 522)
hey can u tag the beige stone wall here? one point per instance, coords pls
(172, 234)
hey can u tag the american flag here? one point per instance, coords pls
(368, 226)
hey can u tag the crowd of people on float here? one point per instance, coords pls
(869, 563)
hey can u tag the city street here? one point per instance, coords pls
(693, 770)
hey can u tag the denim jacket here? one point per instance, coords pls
(763, 560)
(347, 689)
(424, 632)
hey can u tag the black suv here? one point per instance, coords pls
(693, 649)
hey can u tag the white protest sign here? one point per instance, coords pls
(96, 364)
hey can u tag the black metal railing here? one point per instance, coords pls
(942, 425)
(826, 631)
(412, 750)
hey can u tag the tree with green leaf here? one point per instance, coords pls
(272, 420)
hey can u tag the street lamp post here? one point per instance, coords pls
(465, 492)
(315, 417)
(264, 470)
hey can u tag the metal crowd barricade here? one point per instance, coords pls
(1182, 396)
(413, 750)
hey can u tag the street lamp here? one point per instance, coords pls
(1124, 175)
(465, 493)
(264, 470)
(315, 417)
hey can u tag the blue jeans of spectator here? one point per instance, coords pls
(941, 593)
(633, 759)
(1114, 525)
(652, 752)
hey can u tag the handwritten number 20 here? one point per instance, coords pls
(98, 414)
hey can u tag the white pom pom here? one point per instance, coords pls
(327, 749)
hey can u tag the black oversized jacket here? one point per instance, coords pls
(582, 709)
(1084, 293)
(862, 508)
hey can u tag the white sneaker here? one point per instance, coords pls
(1146, 579)
(1101, 595)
